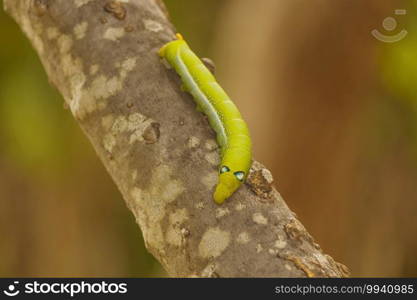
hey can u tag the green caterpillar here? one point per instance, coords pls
(232, 132)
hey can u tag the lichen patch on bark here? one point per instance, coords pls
(152, 25)
(222, 212)
(86, 99)
(135, 127)
(80, 30)
(193, 142)
(213, 242)
(79, 3)
(114, 33)
(240, 206)
(243, 238)
(259, 218)
(176, 233)
(150, 205)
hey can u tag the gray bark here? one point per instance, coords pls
(160, 152)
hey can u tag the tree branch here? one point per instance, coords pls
(161, 153)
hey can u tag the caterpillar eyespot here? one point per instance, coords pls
(232, 133)
(239, 175)
(224, 169)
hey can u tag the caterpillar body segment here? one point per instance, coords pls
(224, 117)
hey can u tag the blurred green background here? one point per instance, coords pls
(332, 111)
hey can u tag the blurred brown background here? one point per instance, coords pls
(332, 111)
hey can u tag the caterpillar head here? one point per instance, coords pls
(229, 182)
